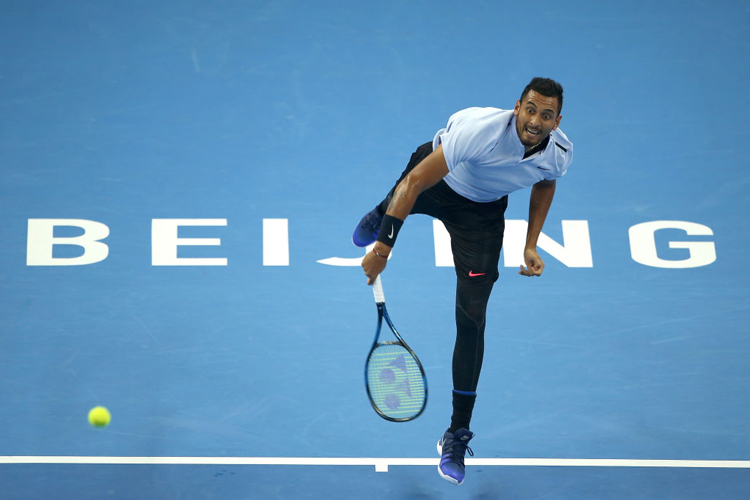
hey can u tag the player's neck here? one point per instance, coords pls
(530, 150)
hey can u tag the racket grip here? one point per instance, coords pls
(377, 291)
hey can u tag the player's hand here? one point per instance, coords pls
(534, 263)
(373, 264)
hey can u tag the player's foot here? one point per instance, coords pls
(452, 448)
(368, 228)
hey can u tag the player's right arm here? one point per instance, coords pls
(422, 177)
(425, 175)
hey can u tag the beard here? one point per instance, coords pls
(528, 139)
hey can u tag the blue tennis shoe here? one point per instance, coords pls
(368, 228)
(452, 449)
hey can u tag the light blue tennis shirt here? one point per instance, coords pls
(485, 156)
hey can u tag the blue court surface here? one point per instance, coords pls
(178, 186)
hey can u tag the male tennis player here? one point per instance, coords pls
(463, 178)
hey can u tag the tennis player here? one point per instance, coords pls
(463, 178)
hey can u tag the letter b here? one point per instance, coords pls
(41, 241)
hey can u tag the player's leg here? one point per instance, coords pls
(476, 239)
(476, 255)
(476, 231)
(468, 353)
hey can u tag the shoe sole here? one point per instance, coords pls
(451, 480)
(365, 245)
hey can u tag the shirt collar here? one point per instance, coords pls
(539, 147)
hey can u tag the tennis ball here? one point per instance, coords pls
(99, 416)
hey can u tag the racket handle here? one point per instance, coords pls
(377, 291)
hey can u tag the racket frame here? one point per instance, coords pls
(377, 289)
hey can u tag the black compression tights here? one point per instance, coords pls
(471, 309)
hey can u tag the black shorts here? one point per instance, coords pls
(476, 229)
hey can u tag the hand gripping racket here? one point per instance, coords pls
(394, 377)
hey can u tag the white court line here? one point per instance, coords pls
(380, 464)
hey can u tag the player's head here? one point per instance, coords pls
(546, 87)
(538, 110)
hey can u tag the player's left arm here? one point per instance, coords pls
(541, 199)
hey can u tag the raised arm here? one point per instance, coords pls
(425, 175)
(539, 202)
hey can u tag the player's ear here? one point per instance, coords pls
(557, 122)
(517, 108)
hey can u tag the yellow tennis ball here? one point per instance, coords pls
(99, 416)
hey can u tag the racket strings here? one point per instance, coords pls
(395, 381)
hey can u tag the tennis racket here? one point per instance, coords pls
(394, 377)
